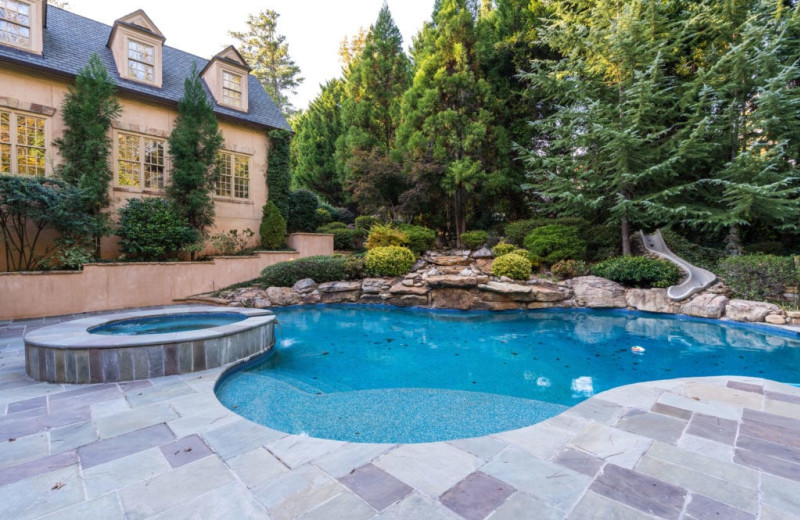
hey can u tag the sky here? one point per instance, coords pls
(313, 28)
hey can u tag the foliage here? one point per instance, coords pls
(153, 229)
(355, 267)
(705, 257)
(758, 277)
(555, 243)
(321, 269)
(639, 271)
(389, 261)
(273, 227)
(515, 232)
(232, 242)
(267, 53)
(344, 238)
(503, 248)
(602, 242)
(88, 110)
(322, 216)
(302, 211)
(766, 247)
(70, 254)
(366, 222)
(384, 235)
(420, 238)
(474, 239)
(193, 146)
(30, 206)
(513, 266)
(568, 269)
(279, 176)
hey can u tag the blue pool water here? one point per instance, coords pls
(368, 374)
(165, 324)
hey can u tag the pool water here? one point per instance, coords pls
(165, 324)
(373, 374)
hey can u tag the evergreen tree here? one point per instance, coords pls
(314, 160)
(193, 147)
(85, 147)
(279, 175)
(268, 54)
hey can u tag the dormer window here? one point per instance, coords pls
(21, 24)
(231, 88)
(226, 76)
(141, 61)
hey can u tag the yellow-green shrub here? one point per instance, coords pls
(389, 261)
(385, 235)
(503, 248)
(513, 266)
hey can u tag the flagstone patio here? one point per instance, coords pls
(693, 449)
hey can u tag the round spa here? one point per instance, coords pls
(144, 344)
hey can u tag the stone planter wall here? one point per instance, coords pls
(463, 281)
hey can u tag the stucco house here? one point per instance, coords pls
(42, 48)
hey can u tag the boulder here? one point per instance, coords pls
(706, 305)
(484, 265)
(456, 281)
(746, 310)
(282, 296)
(306, 285)
(410, 301)
(551, 305)
(401, 288)
(421, 263)
(449, 261)
(650, 300)
(375, 299)
(375, 285)
(482, 253)
(510, 289)
(775, 319)
(334, 287)
(450, 298)
(311, 298)
(550, 293)
(340, 296)
(262, 303)
(596, 292)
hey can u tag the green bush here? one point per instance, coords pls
(518, 230)
(355, 266)
(322, 216)
(152, 230)
(555, 243)
(303, 206)
(420, 238)
(474, 239)
(389, 261)
(705, 257)
(319, 268)
(366, 222)
(273, 227)
(231, 242)
(639, 271)
(344, 238)
(568, 269)
(503, 248)
(602, 242)
(766, 247)
(385, 235)
(758, 277)
(513, 266)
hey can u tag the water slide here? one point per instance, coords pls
(698, 279)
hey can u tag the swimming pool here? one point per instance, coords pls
(367, 374)
(168, 323)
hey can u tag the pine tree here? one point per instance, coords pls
(267, 53)
(193, 147)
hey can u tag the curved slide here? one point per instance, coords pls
(698, 280)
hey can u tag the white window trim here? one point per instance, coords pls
(128, 59)
(141, 187)
(243, 77)
(33, 19)
(14, 145)
(157, 57)
(232, 196)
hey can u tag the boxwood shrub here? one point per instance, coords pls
(555, 243)
(420, 238)
(389, 261)
(512, 265)
(153, 229)
(474, 239)
(344, 238)
(366, 222)
(319, 268)
(517, 231)
(639, 271)
(759, 277)
(503, 248)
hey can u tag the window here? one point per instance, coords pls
(15, 23)
(140, 162)
(141, 61)
(22, 144)
(233, 179)
(231, 89)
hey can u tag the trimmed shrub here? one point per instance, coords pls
(319, 268)
(568, 269)
(389, 261)
(344, 238)
(420, 238)
(322, 216)
(555, 243)
(639, 271)
(273, 227)
(303, 206)
(355, 266)
(513, 266)
(153, 229)
(385, 235)
(366, 222)
(518, 230)
(758, 277)
(474, 239)
(503, 248)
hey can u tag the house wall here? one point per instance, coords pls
(44, 95)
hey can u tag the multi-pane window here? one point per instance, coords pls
(22, 144)
(141, 61)
(231, 89)
(140, 161)
(15, 23)
(233, 178)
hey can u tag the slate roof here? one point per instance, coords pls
(70, 40)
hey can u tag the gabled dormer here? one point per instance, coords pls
(226, 77)
(137, 46)
(22, 24)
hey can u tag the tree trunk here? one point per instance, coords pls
(626, 237)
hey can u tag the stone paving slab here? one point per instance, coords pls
(690, 449)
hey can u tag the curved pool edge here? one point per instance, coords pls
(68, 353)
